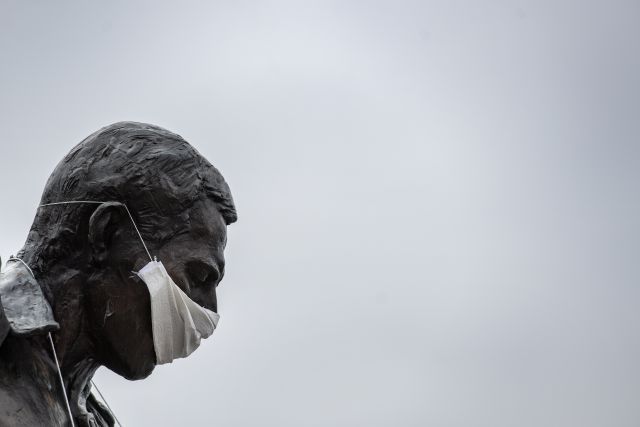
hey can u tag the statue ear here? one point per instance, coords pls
(103, 224)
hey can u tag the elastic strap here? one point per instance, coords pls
(64, 390)
(106, 403)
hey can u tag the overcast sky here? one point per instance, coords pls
(439, 214)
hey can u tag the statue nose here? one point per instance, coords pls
(201, 280)
(203, 274)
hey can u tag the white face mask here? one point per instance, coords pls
(177, 321)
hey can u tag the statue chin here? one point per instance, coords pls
(132, 371)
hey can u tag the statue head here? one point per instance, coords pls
(85, 254)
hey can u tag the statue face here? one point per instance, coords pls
(120, 313)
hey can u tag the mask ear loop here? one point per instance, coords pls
(137, 231)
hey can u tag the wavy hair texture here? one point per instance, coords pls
(154, 172)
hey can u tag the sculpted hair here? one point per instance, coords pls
(154, 172)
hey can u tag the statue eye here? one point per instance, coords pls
(203, 274)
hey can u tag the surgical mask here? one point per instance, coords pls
(178, 323)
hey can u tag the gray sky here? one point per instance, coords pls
(439, 215)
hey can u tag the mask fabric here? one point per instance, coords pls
(178, 323)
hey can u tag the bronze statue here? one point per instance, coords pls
(74, 276)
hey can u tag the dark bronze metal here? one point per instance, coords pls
(82, 257)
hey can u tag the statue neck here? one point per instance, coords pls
(63, 287)
(29, 384)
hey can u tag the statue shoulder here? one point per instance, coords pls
(24, 311)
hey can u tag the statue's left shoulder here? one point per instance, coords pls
(24, 307)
